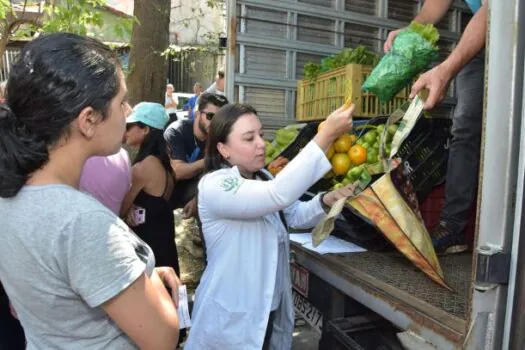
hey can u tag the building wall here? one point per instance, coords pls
(189, 27)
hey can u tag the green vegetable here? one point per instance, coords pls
(427, 31)
(359, 55)
(370, 137)
(412, 52)
(392, 129)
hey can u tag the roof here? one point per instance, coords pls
(115, 11)
(122, 6)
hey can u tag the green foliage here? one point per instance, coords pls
(74, 16)
(359, 55)
(5, 8)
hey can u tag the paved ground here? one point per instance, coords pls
(190, 259)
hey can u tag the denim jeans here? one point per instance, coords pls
(464, 153)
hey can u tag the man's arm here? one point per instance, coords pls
(438, 79)
(184, 170)
(471, 43)
(433, 11)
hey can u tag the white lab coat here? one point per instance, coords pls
(241, 225)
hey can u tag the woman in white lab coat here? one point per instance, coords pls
(244, 298)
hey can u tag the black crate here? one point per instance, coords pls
(358, 231)
(364, 332)
(425, 153)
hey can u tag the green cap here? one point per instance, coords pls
(151, 114)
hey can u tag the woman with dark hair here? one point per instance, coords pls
(146, 206)
(75, 274)
(244, 298)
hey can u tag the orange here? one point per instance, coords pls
(343, 143)
(320, 126)
(341, 163)
(354, 138)
(330, 153)
(357, 154)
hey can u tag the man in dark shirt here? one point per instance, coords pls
(186, 140)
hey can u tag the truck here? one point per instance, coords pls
(268, 43)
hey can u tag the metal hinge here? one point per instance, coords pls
(493, 266)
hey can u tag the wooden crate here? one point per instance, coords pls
(317, 98)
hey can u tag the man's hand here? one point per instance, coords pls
(390, 39)
(437, 81)
(190, 209)
(171, 280)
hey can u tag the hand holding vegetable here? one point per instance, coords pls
(338, 123)
(437, 81)
(410, 53)
(390, 39)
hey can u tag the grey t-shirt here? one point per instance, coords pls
(62, 255)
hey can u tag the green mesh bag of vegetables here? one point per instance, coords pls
(413, 51)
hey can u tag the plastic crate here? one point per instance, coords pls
(431, 209)
(317, 98)
(363, 332)
(425, 153)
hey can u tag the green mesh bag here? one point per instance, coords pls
(412, 52)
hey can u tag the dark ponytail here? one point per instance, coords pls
(21, 153)
(54, 79)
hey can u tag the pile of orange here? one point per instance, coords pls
(344, 153)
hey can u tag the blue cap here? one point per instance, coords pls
(149, 113)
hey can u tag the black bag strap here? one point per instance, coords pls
(265, 177)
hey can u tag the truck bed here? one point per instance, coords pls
(390, 285)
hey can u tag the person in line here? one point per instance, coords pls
(171, 102)
(244, 299)
(146, 207)
(108, 179)
(11, 332)
(76, 275)
(468, 67)
(186, 141)
(192, 101)
(217, 87)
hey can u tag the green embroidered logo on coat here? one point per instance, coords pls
(231, 184)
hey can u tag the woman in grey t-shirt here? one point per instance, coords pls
(76, 275)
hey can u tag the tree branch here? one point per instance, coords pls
(13, 26)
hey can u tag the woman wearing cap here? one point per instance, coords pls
(146, 206)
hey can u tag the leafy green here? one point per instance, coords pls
(427, 31)
(359, 55)
(412, 52)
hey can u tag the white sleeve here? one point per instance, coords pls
(226, 194)
(302, 215)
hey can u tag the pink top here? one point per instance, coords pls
(108, 179)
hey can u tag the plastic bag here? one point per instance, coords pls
(412, 52)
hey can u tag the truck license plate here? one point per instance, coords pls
(300, 277)
(309, 312)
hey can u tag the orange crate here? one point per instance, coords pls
(317, 98)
